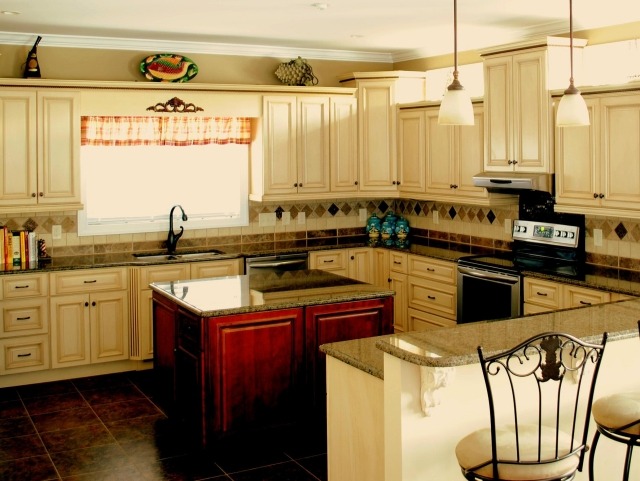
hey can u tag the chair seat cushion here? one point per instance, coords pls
(475, 449)
(618, 410)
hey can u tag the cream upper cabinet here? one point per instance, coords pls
(598, 167)
(40, 134)
(378, 95)
(517, 106)
(343, 136)
(412, 151)
(454, 156)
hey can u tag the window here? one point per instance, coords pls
(133, 174)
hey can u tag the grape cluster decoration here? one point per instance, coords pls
(296, 72)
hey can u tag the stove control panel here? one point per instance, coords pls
(546, 233)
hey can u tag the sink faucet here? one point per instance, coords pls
(172, 238)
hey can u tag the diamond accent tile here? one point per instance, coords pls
(452, 213)
(491, 216)
(621, 230)
(333, 209)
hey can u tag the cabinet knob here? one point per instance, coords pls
(41, 194)
(353, 257)
(86, 304)
(300, 184)
(295, 185)
(595, 196)
(93, 303)
(601, 196)
(355, 183)
(33, 194)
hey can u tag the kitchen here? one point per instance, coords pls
(328, 223)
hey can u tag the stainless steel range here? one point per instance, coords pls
(490, 286)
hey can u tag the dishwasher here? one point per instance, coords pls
(276, 263)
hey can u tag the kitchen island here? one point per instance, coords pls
(241, 352)
(397, 405)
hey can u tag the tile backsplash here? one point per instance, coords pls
(331, 223)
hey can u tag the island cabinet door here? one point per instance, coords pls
(164, 340)
(343, 321)
(254, 364)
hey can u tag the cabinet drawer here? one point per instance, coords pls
(229, 267)
(575, 296)
(424, 321)
(166, 273)
(22, 285)
(28, 316)
(398, 262)
(433, 269)
(432, 296)
(89, 280)
(332, 260)
(24, 354)
(542, 293)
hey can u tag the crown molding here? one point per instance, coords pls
(210, 48)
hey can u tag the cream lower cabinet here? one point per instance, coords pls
(398, 265)
(356, 263)
(598, 167)
(24, 323)
(541, 295)
(89, 313)
(141, 293)
(431, 293)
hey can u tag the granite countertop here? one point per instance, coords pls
(223, 296)
(455, 346)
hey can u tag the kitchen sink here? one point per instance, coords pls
(177, 257)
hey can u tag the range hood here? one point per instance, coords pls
(512, 182)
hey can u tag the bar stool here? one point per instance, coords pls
(540, 394)
(617, 417)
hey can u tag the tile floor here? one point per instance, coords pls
(108, 428)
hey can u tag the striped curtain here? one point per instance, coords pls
(175, 131)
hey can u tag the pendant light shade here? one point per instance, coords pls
(572, 110)
(456, 108)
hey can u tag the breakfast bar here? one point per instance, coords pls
(397, 405)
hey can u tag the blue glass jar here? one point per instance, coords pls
(387, 230)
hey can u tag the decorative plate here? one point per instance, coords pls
(168, 67)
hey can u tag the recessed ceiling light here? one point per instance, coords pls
(320, 6)
(9, 12)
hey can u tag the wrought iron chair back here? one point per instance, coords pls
(541, 389)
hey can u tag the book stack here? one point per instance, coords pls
(18, 247)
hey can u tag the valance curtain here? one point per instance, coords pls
(175, 131)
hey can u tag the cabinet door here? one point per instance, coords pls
(620, 147)
(469, 147)
(18, 152)
(377, 134)
(334, 260)
(255, 368)
(577, 161)
(440, 156)
(360, 264)
(497, 112)
(109, 326)
(313, 144)
(574, 296)
(341, 322)
(530, 106)
(400, 305)
(412, 150)
(164, 340)
(431, 296)
(425, 321)
(222, 268)
(380, 267)
(542, 293)
(343, 138)
(279, 131)
(70, 331)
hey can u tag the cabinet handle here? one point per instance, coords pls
(543, 294)
(24, 355)
(585, 303)
(22, 287)
(433, 298)
(23, 318)
(329, 261)
(91, 282)
(430, 269)
(397, 262)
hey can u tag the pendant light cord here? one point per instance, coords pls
(572, 89)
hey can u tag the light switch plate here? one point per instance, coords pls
(56, 231)
(362, 215)
(507, 226)
(286, 218)
(302, 218)
(267, 219)
(436, 217)
(597, 237)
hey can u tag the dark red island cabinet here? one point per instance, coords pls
(225, 374)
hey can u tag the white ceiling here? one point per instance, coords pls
(397, 29)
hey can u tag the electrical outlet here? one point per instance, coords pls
(362, 215)
(286, 218)
(302, 218)
(436, 217)
(597, 237)
(56, 231)
(267, 219)
(507, 226)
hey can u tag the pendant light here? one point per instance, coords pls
(456, 108)
(572, 110)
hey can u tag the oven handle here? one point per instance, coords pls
(264, 265)
(489, 275)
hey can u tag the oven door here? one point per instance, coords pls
(486, 294)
